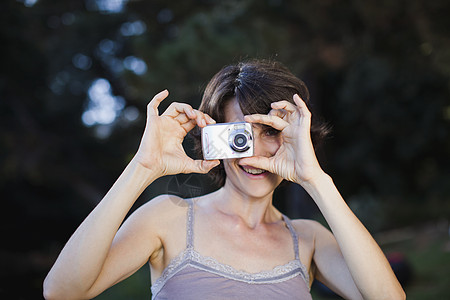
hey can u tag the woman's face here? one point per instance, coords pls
(249, 180)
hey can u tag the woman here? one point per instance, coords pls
(232, 243)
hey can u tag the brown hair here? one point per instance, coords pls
(255, 85)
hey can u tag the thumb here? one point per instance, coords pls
(202, 166)
(259, 162)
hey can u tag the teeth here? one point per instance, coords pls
(253, 171)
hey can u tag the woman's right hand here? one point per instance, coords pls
(161, 147)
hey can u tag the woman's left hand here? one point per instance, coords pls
(295, 160)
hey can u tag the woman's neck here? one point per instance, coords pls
(250, 209)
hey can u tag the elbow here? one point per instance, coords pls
(49, 296)
(50, 290)
(401, 295)
(56, 294)
(394, 290)
(398, 294)
(53, 290)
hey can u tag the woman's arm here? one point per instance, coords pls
(97, 256)
(79, 265)
(351, 251)
(356, 252)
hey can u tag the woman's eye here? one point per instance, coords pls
(271, 132)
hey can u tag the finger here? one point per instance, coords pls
(201, 166)
(188, 126)
(190, 123)
(182, 118)
(273, 121)
(278, 112)
(202, 119)
(209, 119)
(176, 108)
(286, 105)
(260, 162)
(188, 115)
(152, 107)
(304, 111)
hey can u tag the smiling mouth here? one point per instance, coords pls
(252, 171)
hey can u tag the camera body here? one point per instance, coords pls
(227, 140)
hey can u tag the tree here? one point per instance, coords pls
(76, 76)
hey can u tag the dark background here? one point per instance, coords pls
(75, 77)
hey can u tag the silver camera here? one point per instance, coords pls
(227, 140)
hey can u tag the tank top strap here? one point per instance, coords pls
(190, 225)
(293, 234)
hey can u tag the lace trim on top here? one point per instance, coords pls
(190, 257)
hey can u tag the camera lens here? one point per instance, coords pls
(239, 142)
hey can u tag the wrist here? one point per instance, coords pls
(315, 181)
(148, 172)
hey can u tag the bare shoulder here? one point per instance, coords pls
(309, 229)
(164, 205)
(167, 202)
(161, 210)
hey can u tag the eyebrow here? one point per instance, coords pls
(263, 127)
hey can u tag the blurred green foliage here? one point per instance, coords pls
(378, 71)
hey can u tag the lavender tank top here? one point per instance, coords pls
(193, 276)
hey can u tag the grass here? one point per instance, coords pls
(431, 266)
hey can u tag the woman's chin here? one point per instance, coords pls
(258, 193)
(257, 188)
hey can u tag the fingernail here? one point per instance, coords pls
(203, 122)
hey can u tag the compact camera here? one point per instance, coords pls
(227, 140)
